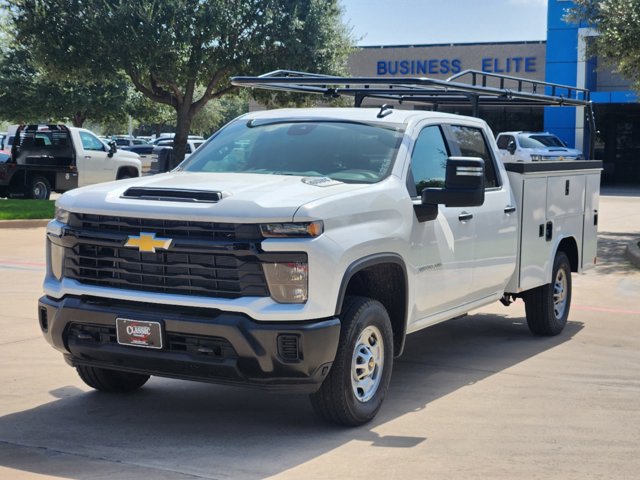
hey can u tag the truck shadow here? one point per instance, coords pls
(611, 252)
(218, 432)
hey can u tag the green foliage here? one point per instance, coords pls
(218, 113)
(182, 53)
(618, 25)
(28, 94)
(26, 209)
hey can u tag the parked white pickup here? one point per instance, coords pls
(296, 249)
(59, 158)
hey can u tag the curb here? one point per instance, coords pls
(24, 223)
(633, 253)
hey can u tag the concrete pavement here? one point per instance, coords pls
(476, 397)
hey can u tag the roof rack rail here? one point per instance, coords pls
(467, 87)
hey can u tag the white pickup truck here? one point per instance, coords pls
(296, 249)
(46, 158)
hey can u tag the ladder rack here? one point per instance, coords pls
(469, 87)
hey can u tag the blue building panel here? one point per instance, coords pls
(556, 11)
(624, 97)
(564, 73)
(562, 45)
(601, 97)
(559, 117)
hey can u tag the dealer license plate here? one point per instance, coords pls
(139, 333)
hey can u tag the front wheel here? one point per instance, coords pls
(547, 307)
(355, 388)
(111, 380)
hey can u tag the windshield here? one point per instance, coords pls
(345, 151)
(540, 141)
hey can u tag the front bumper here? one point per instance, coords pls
(199, 344)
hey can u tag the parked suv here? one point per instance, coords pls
(534, 147)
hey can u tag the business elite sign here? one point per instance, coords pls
(522, 59)
(444, 66)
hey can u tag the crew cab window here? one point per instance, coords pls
(503, 141)
(90, 142)
(347, 151)
(471, 143)
(428, 160)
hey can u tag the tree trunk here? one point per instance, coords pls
(183, 125)
(78, 119)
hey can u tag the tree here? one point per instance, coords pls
(173, 49)
(618, 25)
(27, 94)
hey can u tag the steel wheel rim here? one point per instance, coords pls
(367, 363)
(39, 190)
(560, 294)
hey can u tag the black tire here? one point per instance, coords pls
(547, 307)
(39, 189)
(124, 174)
(337, 400)
(111, 380)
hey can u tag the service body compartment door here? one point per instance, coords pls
(565, 196)
(534, 249)
(590, 235)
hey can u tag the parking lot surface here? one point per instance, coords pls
(477, 397)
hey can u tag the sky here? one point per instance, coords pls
(415, 22)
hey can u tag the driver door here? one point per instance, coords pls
(441, 250)
(95, 164)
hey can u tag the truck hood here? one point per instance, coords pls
(126, 154)
(554, 151)
(246, 198)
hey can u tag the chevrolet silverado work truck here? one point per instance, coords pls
(46, 158)
(297, 248)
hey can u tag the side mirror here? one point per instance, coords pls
(463, 186)
(511, 147)
(113, 148)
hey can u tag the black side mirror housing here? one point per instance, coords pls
(113, 148)
(511, 147)
(463, 186)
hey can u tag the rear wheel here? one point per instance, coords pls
(355, 388)
(39, 188)
(111, 380)
(547, 307)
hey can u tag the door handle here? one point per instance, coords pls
(509, 209)
(464, 216)
(87, 157)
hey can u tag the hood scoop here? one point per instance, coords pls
(172, 195)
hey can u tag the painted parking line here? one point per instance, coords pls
(7, 264)
(588, 308)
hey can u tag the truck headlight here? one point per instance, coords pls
(288, 281)
(536, 158)
(292, 230)
(62, 215)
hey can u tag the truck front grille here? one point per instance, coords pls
(177, 229)
(185, 273)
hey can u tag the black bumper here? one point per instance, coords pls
(199, 344)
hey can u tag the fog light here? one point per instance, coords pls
(287, 281)
(57, 259)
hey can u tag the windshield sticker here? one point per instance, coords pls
(320, 181)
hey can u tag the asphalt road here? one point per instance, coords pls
(477, 397)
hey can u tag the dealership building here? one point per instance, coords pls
(561, 59)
